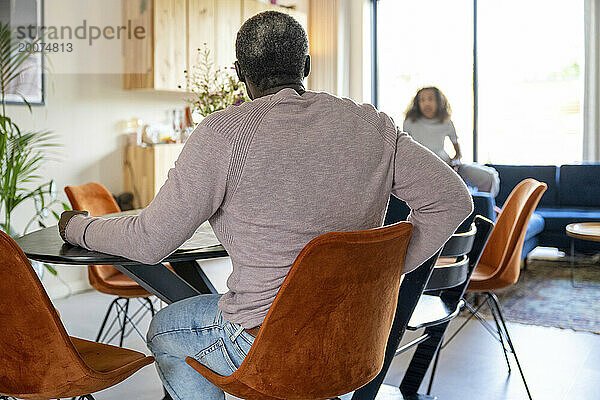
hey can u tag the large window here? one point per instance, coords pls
(530, 56)
(529, 70)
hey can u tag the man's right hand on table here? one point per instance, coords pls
(65, 217)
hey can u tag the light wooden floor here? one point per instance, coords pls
(559, 364)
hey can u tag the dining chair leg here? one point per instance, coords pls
(126, 320)
(124, 323)
(494, 299)
(462, 325)
(150, 306)
(421, 360)
(118, 310)
(500, 334)
(488, 327)
(106, 319)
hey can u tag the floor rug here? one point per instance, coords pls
(545, 296)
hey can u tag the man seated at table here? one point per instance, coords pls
(270, 175)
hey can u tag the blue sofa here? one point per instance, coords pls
(573, 195)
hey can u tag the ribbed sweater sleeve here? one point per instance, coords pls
(437, 196)
(194, 190)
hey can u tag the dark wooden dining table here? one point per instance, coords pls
(188, 278)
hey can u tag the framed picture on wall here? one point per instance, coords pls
(26, 16)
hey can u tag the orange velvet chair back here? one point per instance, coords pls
(326, 332)
(92, 197)
(503, 249)
(97, 200)
(35, 351)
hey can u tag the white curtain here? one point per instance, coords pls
(339, 36)
(591, 117)
(323, 40)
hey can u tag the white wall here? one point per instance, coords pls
(85, 111)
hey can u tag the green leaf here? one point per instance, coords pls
(51, 269)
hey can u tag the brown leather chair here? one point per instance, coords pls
(97, 200)
(326, 332)
(39, 359)
(500, 263)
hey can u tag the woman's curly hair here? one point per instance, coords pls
(443, 112)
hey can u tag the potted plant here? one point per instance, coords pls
(213, 88)
(21, 153)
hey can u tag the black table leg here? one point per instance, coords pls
(192, 273)
(160, 281)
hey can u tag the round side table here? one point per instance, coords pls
(582, 231)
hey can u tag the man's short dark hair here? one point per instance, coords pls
(271, 49)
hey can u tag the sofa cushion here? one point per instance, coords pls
(579, 185)
(556, 219)
(511, 175)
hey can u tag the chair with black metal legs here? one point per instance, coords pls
(499, 266)
(97, 200)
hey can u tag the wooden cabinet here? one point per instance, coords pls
(170, 52)
(146, 168)
(201, 29)
(253, 7)
(174, 30)
(228, 20)
(157, 61)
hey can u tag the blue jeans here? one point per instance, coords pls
(195, 327)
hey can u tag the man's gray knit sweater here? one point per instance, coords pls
(272, 174)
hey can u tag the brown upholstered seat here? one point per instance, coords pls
(326, 332)
(97, 200)
(116, 283)
(500, 262)
(38, 358)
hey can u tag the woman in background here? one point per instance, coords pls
(427, 120)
